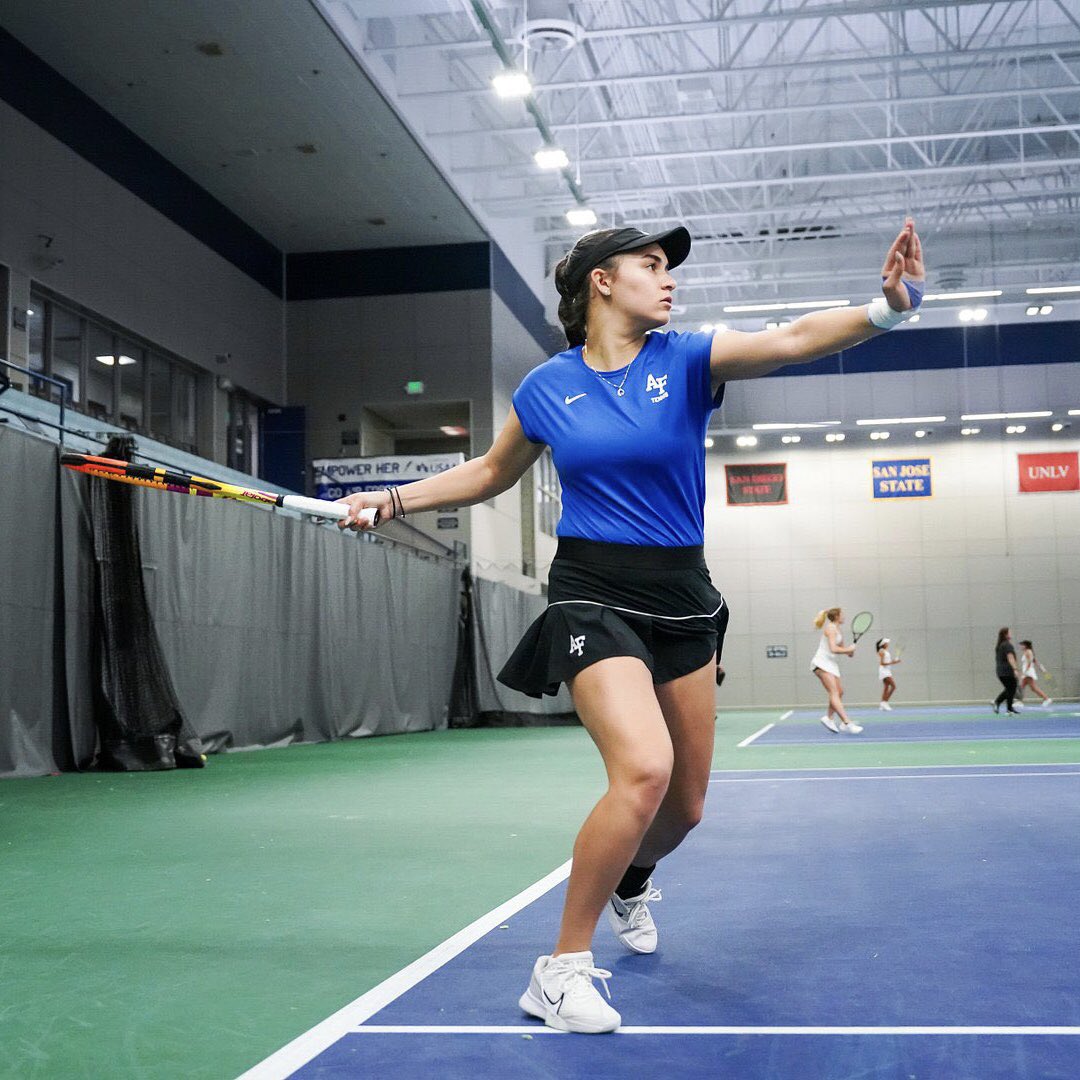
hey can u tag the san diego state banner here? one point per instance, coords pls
(756, 485)
(1048, 472)
(903, 479)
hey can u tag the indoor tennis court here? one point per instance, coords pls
(585, 488)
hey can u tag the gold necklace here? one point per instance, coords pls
(618, 389)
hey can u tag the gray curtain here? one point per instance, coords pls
(274, 629)
(501, 615)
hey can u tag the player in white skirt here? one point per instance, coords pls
(1029, 672)
(826, 668)
(886, 660)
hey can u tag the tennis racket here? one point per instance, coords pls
(185, 484)
(860, 624)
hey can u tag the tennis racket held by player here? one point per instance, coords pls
(150, 476)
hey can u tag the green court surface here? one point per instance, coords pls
(187, 924)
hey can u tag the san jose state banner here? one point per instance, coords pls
(1048, 472)
(908, 478)
(756, 485)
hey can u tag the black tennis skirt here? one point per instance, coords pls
(655, 603)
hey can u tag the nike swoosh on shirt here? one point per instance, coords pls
(570, 400)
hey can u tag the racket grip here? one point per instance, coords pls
(324, 508)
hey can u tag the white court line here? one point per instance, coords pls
(312, 1043)
(787, 714)
(867, 768)
(539, 1029)
(757, 734)
(899, 776)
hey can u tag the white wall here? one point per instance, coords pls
(129, 263)
(941, 575)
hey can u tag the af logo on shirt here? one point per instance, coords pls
(660, 384)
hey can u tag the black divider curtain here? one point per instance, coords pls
(273, 629)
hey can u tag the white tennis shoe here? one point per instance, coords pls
(884, 706)
(632, 921)
(830, 723)
(851, 728)
(1047, 701)
(561, 993)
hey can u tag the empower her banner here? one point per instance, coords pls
(907, 478)
(338, 477)
(1048, 472)
(756, 485)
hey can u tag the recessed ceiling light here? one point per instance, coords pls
(453, 429)
(746, 440)
(970, 431)
(709, 443)
(1046, 309)
(1042, 289)
(1057, 427)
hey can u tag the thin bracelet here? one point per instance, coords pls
(401, 506)
(393, 508)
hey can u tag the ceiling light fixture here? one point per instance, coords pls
(1011, 415)
(802, 305)
(1016, 429)
(709, 442)
(581, 215)
(970, 431)
(746, 440)
(903, 420)
(109, 361)
(1043, 289)
(977, 295)
(512, 84)
(792, 427)
(972, 314)
(835, 436)
(551, 157)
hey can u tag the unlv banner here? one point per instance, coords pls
(1048, 472)
(756, 485)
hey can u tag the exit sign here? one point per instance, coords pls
(414, 387)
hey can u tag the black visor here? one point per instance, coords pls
(590, 252)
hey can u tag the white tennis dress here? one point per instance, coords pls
(824, 658)
(883, 671)
(1028, 669)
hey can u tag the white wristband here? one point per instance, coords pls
(883, 316)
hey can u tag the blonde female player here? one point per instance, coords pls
(631, 622)
(1029, 672)
(826, 668)
(886, 662)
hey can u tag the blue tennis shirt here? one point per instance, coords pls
(632, 468)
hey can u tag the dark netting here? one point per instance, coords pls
(140, 725)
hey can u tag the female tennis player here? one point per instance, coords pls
(826, 668)
(631, 625)
(886, 662)
(1029, 672)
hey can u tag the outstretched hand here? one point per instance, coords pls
(904, 272)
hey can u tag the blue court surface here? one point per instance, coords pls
(962, 723)
(830, 923)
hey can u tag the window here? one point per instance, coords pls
(111, 375)
(67, 350)
(548, 494)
